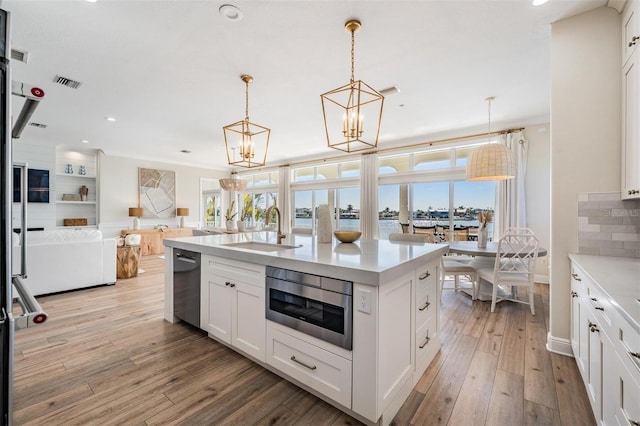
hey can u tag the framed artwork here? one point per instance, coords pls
(157, 192)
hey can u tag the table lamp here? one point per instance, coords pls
(182, 212)
(136, 212)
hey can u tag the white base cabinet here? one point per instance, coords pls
(604, 344)
(233, 304)
(318, 368)
(427, 318)
(395, 337)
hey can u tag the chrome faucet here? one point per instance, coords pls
(281, 236)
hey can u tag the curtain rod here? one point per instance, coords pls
(403, 147)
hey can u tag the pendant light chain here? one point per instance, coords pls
(353, 53)
(246, 100)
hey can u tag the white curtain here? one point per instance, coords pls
(369, 196)
(511, 209)
(284, 202)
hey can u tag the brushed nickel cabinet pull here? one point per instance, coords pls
(594, 328)
(425, 306)
(576, 277)
(425, 343)
(635, 354)
(595, 299)
(634, 423)
(229, 284)
(424, 276)
(574, 294)
(310, 367)
(599, 308)
(633, 40)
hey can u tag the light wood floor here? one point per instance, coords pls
(107, 357)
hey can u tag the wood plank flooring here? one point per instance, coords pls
(107, 357)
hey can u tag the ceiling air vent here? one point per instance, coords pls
(38, 125)
(20, 55)
(64, 81)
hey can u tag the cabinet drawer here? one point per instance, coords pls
(248, 273)
(426, 306)
(317, 368)
(626, 342)
(425, 277)
(601, 306)
(426, 345)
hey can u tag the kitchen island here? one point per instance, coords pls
(393, 313)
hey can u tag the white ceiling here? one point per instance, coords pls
(168, 71)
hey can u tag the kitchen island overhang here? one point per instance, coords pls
(371, 262)
(394, 338)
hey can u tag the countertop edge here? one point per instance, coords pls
(371, 276)
(588, 262)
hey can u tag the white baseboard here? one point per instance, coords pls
(559, 346)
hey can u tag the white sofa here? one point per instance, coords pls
(63, 260)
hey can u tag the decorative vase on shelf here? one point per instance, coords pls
(82, 171)
(69, 169)
(241, 226)
(483, 235)
(230, 224)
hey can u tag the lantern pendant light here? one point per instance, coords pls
(246, 142)
(492, 161)
(352, 113)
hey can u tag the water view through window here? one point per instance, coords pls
(424, 205)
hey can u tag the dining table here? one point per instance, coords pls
(483, 257)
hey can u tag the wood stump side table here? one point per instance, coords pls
(128, 259)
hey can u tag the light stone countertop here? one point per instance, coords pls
(371, 262)
(618, 278)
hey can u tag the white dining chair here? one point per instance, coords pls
(514, 267)
(458, 266)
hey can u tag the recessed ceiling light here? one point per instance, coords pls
(230, 12)
(538, 2)
(84, 141)
(110, 119)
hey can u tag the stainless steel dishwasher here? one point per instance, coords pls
(186, 286)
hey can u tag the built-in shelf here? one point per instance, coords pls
(72, 175)
(70, 183)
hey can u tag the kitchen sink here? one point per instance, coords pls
(255, 245)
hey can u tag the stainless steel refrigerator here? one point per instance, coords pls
(10, 281)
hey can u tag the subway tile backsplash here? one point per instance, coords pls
(608, 226)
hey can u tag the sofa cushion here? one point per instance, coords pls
(62, 236)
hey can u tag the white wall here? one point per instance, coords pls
(585, 138)
(119, 191)
(537, 191)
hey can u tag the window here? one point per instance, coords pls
(426, 192)
(335, 184)
(432, 160)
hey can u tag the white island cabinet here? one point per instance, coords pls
(395, 332)
(232, 303)
(605, 335)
